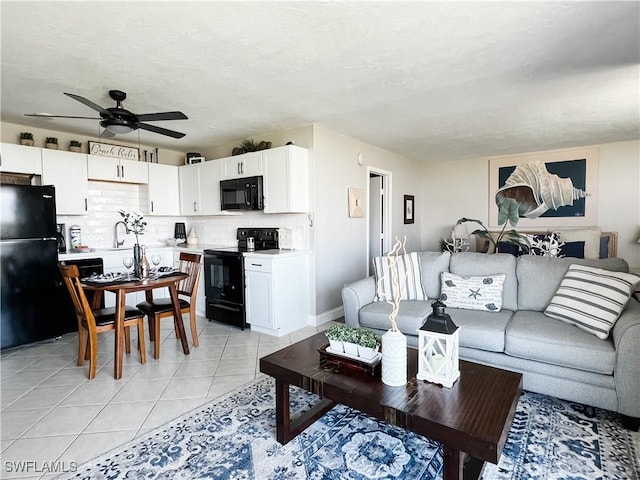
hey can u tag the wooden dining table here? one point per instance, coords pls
(124, 286)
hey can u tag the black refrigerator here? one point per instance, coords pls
(30, 280)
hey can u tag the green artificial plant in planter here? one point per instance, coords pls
(51, 142)
(75, 146)
(335, 334)
(26, 138)
(368, 343)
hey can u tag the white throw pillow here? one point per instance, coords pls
(481, 292)
(591, 298)
(409, 265)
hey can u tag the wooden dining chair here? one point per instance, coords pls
(92, 322)
(157, 309)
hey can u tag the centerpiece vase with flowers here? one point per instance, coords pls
(394, 343)
(136, 224)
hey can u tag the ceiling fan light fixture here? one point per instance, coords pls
(117, 125)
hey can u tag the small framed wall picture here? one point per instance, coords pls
(194, 160)
(356, 202)
(409, 208)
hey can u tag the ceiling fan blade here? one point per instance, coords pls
(88, 103)
(149, 117)
(48, 115)
(107, 134)
(160, 130)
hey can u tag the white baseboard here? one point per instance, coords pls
(327, 316)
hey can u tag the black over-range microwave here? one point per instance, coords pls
(242, 194)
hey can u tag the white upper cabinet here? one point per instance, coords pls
(163, 189)
(200, 188)
(239, 166)
(286, 180)
(67, 171)
(117, 170)
(20, 159)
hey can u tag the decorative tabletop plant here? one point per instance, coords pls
(75, 146)
(134, 222)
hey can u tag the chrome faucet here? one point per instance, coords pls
(118, 242)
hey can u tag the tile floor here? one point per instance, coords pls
(53, 417)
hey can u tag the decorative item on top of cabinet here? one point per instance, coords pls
(248, 145)
(26, 139)
(51, 143)
(75, 146)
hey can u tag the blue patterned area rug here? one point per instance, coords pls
(233, 437)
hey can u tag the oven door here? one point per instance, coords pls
(224, 277)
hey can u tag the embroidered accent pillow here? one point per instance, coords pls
(591, 298)
(546, 245)
(409, 265)
(482, 292)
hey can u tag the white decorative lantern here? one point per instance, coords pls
(438, 346)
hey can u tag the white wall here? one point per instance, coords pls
(341, 241)
(460, 189)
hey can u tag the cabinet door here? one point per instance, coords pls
(259, 298)
(245, 165)
(286, 180)
(189, 189)
(209, 187)
(20, 159)
(115, 170)
(103, 168)
(68, 172)
(164, 189)
(132, 171)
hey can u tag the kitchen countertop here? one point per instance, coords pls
(199, 248)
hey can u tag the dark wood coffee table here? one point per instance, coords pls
(472, 417)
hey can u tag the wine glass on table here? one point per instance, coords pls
(128, 263)
(156, 259)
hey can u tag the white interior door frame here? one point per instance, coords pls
(386, 209)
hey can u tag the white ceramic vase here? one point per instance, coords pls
(394, 359)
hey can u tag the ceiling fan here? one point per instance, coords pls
(117, 120)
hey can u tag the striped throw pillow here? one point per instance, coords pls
(591, 298)
(409, 265)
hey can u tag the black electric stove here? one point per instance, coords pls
(224, 275)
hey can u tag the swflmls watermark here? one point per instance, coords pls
(33, 466)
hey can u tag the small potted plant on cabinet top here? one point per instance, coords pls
(51, 142)
(26, 138)
(75, 146)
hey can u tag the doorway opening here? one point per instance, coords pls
(379, 215)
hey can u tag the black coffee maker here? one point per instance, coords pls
(60, 234)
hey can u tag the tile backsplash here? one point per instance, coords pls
(105, 198)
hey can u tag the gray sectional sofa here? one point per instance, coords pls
(554, 357)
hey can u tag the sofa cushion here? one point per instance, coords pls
(544, 244)
(482, 330)
(590, 236)
(534, 336)
(472, 263)
(591, 298)
(432, 264)
(540, 277)
(411, 316)
(480, 292)
(407, 267)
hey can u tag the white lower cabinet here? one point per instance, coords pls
(277, 292)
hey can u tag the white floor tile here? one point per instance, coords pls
(50, 406)
(16, 460)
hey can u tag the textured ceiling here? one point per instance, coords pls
(432, 81)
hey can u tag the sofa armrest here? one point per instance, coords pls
(355, 296)
(626, 339)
